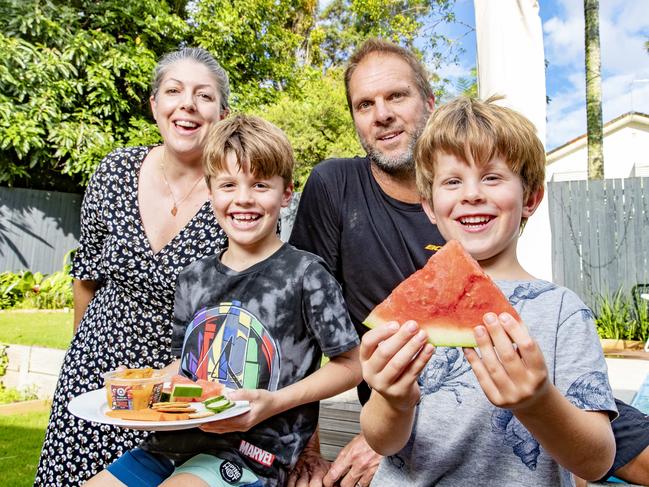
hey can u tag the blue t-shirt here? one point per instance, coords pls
(459, 437)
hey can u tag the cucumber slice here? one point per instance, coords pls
(210, 400)
(220, 405)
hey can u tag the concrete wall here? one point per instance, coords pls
(33, 365)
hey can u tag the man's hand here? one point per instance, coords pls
(355, 465)
(309, 470)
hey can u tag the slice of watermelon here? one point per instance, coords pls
(447, 298)
(210, 388)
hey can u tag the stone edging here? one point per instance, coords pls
(37, 405)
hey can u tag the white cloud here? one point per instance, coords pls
(564, 40)
(624, 28)
(454, 71)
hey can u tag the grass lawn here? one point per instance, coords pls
(41, 328)
(21, 438)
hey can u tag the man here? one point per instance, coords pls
(363, 217)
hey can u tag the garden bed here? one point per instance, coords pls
(624, 348)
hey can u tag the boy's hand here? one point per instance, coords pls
(510, 377)
(261, 408)
(392, 358)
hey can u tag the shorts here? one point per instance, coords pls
(216, 472)
(631, 431)
(139, 468)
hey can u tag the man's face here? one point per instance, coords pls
(388, 110)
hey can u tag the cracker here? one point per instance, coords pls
(179, 404)
(169, 409)
(202, 414)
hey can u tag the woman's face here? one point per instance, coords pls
(186, 104)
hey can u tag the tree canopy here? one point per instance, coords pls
(74, 83)
(75, 74)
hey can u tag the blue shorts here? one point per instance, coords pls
(139, 468)
(631, 431)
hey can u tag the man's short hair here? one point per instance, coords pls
(385, 48)
(257, 144)
(480, 130)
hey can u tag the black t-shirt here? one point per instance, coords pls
(370, 240)
(264, 327)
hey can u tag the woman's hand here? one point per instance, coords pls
(511, 369)
(261, 408)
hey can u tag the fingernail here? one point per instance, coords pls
(393, 326)
(479, 331)
(490, 318)
(505, 317)
(411, 326)
(421, 336)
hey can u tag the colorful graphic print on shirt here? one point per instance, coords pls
(228, 344)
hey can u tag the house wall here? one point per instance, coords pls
(623, 150)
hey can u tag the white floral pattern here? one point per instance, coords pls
(129, 319)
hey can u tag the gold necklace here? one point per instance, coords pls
(177, 203)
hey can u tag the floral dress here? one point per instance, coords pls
(129, 319)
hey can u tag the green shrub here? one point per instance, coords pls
(34, 290)
(11, 394)
(620, 318)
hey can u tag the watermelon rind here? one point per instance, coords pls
(438, 336)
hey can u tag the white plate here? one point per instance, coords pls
(92, 406)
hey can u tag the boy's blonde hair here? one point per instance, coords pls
(480, 130)
(257, 144)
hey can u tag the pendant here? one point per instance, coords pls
(174, 210)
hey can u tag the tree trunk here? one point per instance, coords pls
(593, 91)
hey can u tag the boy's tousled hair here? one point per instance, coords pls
(257, 144)
(477, 130)
(385, 48)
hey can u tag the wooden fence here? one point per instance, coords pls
(37, 229)
(600, 235)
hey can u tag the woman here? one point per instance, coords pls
(145, 216)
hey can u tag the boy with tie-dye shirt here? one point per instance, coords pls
(534, 404)
(255, 318)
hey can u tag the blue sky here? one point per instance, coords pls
(624, 28)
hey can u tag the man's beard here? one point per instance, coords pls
(403, 163)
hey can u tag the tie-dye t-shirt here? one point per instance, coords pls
(460, 438)
(262, 328)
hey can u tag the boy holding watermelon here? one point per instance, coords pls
(256, 318)
(537, 405)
